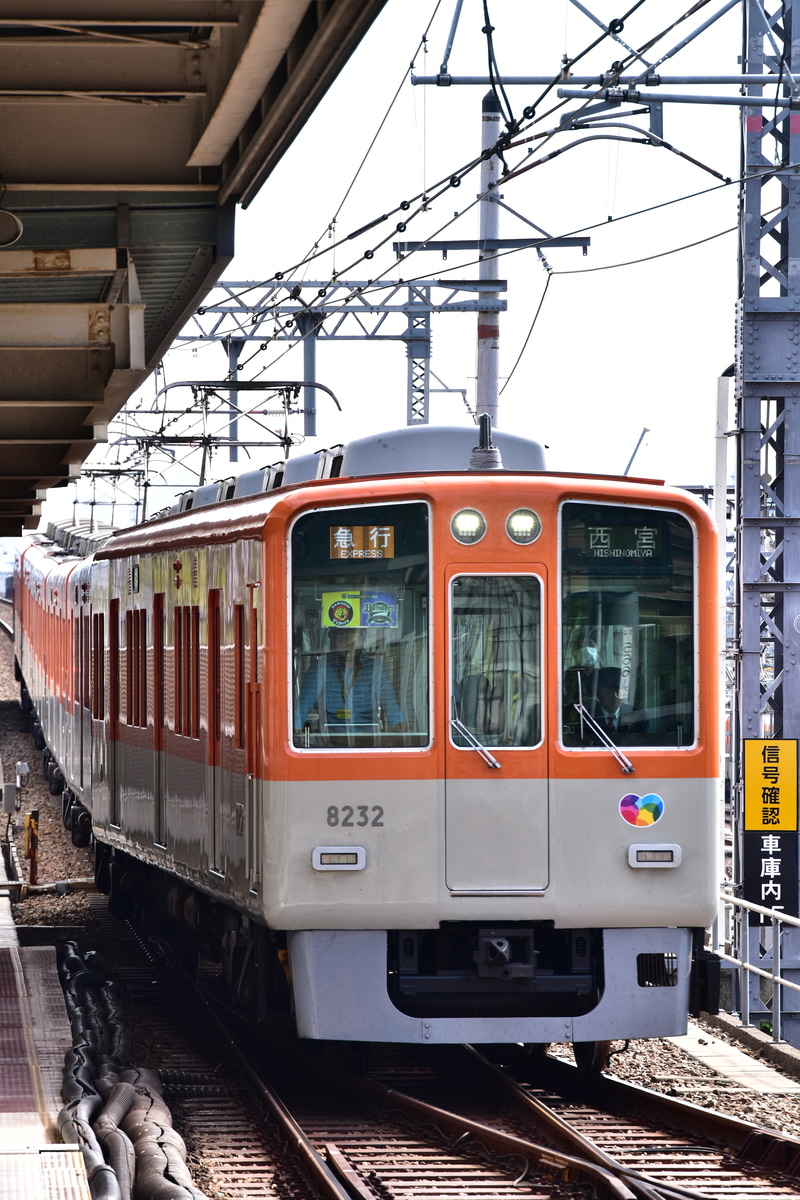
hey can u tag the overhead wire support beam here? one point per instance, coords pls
(650, 79)
(476, 247)
(636, 96)
(346, 310)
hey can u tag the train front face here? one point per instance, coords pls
(498, 815)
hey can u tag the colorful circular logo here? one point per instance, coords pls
(340, 613)
(641, 810)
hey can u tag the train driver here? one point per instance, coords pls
(619, 720)
(347, 686)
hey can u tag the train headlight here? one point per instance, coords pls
(523, 526)
(468, 526)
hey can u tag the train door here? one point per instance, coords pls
(113, 711)
(86, 683)
(215, 791)
(496, 790)
(253, 744)
(159, 757)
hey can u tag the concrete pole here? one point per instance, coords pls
(488, 364)
(308, 324)
(235, 347)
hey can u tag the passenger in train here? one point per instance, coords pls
(347, 686)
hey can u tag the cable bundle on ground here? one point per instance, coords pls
(114, 1112)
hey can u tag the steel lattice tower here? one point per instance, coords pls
(768, 437)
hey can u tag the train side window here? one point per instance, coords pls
(360, 627)
(177, 669)
(158, 668)
(195, 672)
(628, 620)
(98, 651)
(86, 666)
(136, 664)
(240, 677)
(113, 670)
(187, 670)
(76, 660)
(129, 671)
(496, 653)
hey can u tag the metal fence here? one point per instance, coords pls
(722, 936)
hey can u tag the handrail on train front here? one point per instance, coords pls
(744, 965)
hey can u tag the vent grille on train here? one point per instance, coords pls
(657, 970)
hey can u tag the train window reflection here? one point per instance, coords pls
(360, 627)
(496, 659)
(628, 619)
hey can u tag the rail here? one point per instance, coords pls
(746, 967)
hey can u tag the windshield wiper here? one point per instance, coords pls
(472, 741)
(625, 763)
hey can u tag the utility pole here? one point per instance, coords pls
(487, 247)
(308, 322)
(488, 359)
(235, 347)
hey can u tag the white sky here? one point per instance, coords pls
(613, 350)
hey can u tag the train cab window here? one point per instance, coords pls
(496, 660)
(360, 627)
(628, 621)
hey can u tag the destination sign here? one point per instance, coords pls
(361, 541)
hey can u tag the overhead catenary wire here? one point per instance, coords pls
(422, 42)
(447, 182)
(462, 264)
(610, 267)
(455, 179)
(600, 224)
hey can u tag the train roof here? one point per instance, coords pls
(211, 513)
(414, 449)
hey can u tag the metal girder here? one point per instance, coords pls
(768, 435)
(325, 39)
(349, 309)
(185, 14)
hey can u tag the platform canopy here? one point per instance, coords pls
(129, 132)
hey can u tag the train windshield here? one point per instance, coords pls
(360, 627)
(628, 621)
(496, 660)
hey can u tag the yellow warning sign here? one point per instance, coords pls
(770, 784)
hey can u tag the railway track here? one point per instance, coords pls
(269, 1118)
(685, 1149)
(639, 1141)
(295, 1126)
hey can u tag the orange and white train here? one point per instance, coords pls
(355, 730)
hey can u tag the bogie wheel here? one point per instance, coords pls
(591, 1058)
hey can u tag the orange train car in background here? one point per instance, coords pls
(429, 754)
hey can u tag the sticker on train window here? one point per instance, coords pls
(362, 541)
(359, 608)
